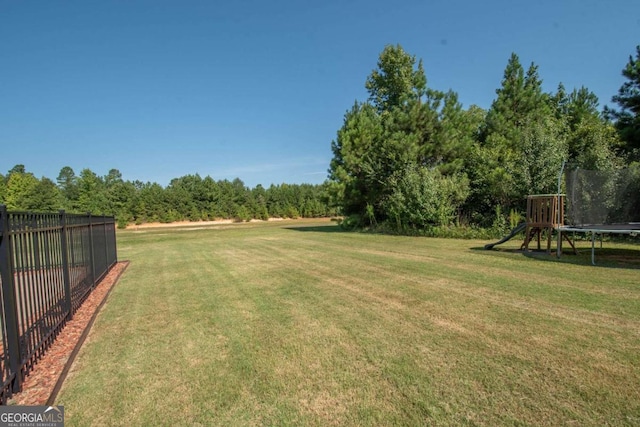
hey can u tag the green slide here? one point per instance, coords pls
(518, 228)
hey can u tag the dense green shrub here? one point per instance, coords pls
(422, 198)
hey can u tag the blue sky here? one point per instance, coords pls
(257, 89)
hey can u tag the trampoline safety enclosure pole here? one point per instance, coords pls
(559, 210)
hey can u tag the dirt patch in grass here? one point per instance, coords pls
(201, 224)
(177, 224)
(42, 383)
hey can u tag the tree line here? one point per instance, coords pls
(189, 197)
(411, 157)
(408, 158)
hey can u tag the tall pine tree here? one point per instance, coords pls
(627, 118)
(520, 130)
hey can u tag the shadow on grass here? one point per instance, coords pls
(333, 228)
(605, 257)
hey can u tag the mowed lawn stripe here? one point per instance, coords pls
(530, 289)
(269, 325)
(526, 278)
(519, 318)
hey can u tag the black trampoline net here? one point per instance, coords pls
(602, 197)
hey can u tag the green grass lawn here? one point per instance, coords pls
(296, 323)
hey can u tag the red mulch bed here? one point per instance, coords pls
(45, 379)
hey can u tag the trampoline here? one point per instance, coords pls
(600, 202)
(632, 229)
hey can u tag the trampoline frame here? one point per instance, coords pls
(631, 228)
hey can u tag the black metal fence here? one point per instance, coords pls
(49, 263)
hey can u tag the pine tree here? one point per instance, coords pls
(68, 185)
(591, 139)
(496, 165)
(627, 119)
(3, 189)
(519, 100)
(396, 80)
(354, 166)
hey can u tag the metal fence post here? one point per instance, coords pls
(36, 244)
(106, 242)
(9, 301)
(114, 244)
(65, 263)
(91, 254)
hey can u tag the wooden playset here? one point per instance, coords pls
(545, 213)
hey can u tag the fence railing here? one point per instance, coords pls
(49, 263)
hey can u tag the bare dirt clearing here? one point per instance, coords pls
(198, 225)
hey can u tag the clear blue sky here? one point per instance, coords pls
(257, 89)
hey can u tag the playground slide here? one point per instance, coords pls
(518, 228)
